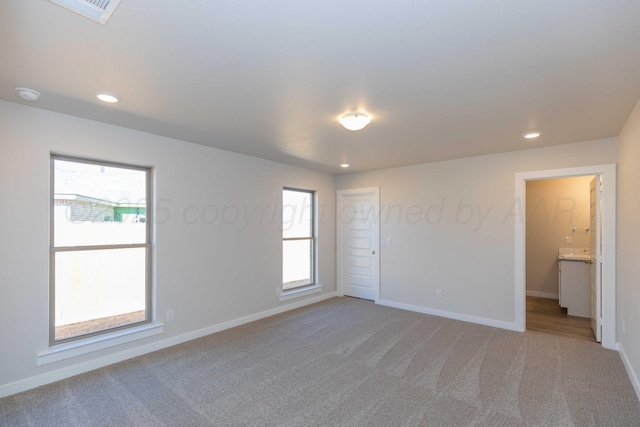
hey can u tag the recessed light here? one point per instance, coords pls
(532, 135)
(107, 96)
(354, 121)
(28, 94)
(344, 165)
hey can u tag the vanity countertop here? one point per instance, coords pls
(575, 257)
(575, 254)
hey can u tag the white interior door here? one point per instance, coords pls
(596, 253)
(358, 239)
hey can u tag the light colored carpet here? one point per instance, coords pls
(347, 362)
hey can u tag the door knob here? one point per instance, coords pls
(373, 252)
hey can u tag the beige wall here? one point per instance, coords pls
(554, 207)
(452, 227)
(629, 246)
(217, 243)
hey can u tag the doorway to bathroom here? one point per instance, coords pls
(560, 210)
(558, 237)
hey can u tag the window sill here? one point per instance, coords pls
(298, 293)
(100, 342)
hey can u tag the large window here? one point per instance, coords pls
(100, 248)
(298, 238)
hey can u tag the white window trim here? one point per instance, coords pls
(285, 294)
(80, 347)
(299, 292)
(149, 306)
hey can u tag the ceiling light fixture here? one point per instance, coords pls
(344, 165)
(28, 94)
(354, 121)
(107, 96)
(532, 135)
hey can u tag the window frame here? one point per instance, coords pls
(53, 249)
(311, 238)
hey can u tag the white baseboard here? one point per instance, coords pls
(543, 295)
(450, 315)
(80, 368)
(632, 374)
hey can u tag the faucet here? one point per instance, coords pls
(586, 250)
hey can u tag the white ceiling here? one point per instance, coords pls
(441, 79)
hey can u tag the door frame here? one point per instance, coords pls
(340, 229)
(594, 248)
(608, 283)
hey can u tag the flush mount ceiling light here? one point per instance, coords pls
(28, 94)
(354, 121)
(107, 96)
(532, 135)
(344, 165)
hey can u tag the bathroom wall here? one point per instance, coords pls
(554, 207)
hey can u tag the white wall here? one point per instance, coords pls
(208, 269)
(554, 207)
(629, 246)
(452, 227)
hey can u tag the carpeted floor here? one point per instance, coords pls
(347, 362)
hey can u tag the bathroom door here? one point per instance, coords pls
(595, 228)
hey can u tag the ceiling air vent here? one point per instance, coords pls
(96, 10)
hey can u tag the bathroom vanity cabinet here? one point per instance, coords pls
(574, 289)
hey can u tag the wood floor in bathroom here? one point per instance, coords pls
(545, 315)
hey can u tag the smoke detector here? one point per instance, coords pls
(28, 94)
(96, 10)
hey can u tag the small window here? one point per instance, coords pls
(298, 238)
(100, 248)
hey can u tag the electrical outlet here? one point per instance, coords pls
(169, 316)
(388, 241)
(439, 293)
(568, 239)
